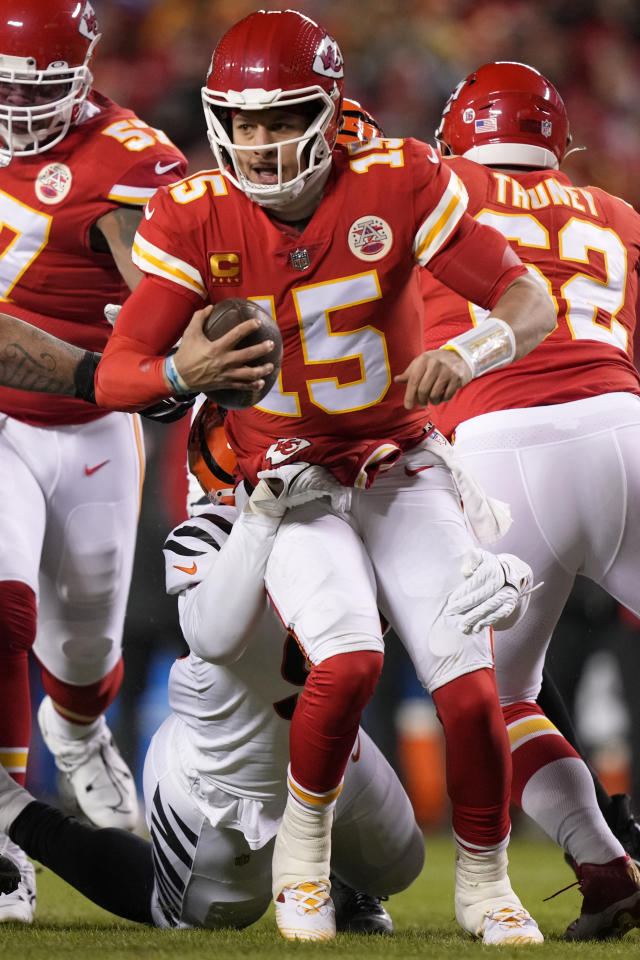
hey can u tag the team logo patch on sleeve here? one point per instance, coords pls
(370, 238)
(53, 183)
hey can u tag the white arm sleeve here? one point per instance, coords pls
(219, 613)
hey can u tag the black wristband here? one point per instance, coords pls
(84, 374)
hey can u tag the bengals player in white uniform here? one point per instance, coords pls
(329, 241)
(557, 434)
(75, 172)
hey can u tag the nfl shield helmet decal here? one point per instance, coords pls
(53, 183)
(370, 238)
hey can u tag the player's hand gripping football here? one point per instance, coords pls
(433, 377)
(292, 485)
(495, 592)
(208, 365)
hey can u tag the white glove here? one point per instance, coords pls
(292, 485)
(111, 312)
(495, 592)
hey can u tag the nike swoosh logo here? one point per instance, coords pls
(148, 213)
(414, 473)
(89, 470)
(190, 570)
(165, 167)
(355, 756)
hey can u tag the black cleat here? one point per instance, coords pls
(358, 912)
(9, 875)
(624, 825)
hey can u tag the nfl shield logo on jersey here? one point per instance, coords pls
(300, 259)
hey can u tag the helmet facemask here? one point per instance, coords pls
(52, 100)
(313, 147)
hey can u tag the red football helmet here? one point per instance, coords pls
(356, 124)
(508, 115)
(211, 460)
(275, 58)
(45, 49)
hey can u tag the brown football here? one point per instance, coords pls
(224, 317)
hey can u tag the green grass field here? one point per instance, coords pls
(68, 926)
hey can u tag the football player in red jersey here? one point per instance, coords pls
(557, 434)
(329, 241)
(75, 172)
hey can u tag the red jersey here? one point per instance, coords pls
(344, 292)
(585, 246)
(49, 273)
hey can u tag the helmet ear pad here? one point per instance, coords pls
(505, 114)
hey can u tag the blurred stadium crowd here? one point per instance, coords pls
(404, 57)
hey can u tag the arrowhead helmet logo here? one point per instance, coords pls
(88, 23)
(328, 60)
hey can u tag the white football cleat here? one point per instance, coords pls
(485, 903)
(510, 926)
(93, 772)
(20, 904)
(305, 911)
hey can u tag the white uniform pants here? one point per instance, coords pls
(571, 473)
(69, 504)
(399, 549)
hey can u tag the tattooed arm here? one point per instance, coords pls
(31, 359)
